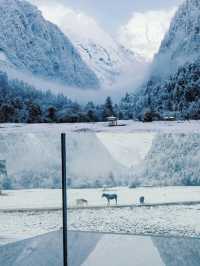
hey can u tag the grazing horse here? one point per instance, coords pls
(81, 202)
(110, 197)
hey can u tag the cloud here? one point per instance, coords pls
(73, 23)
(142, 34)
(144, 31)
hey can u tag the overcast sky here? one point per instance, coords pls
(113, 13)
(138, 24)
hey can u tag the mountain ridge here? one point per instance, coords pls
(173, 88)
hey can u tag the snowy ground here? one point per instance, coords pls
(51, 199)
(165, 220)
(31, 199)
(130, 126)
(178, 220)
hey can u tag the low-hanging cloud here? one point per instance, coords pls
(144, 31)
(72, 22)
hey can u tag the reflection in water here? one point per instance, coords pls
(129, 250)
(89, 249)
(178, 251)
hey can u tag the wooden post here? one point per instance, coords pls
(64, 198)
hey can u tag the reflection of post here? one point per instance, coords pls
(64, 196)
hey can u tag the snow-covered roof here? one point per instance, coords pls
(112, 118)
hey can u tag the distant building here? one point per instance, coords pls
(112, 121)
(169, 118)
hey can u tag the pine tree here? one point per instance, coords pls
(108, 109)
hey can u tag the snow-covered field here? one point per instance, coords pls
(31, 199)
(130, 126)
(27, 213)
(51, 199)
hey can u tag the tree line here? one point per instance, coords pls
(22, 103)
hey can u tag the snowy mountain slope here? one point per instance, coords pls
(172, 160)
(181, 44)
(174, 84)
(113, 64)
(33, 160)
(29, 42)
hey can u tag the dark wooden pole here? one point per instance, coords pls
(64, 197)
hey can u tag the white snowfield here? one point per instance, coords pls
(128, 126)
(89, 249)
(31, 199)
(51, 199)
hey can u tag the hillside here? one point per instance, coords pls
(35, 46)
(174, 84)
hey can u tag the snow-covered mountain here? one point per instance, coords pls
(113, 64)
(30, 43)
(181, 44)
(174, 84)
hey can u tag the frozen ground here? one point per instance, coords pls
(130, 126)
(165, 220)
(178, 220)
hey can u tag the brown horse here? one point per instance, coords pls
(110, 197)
